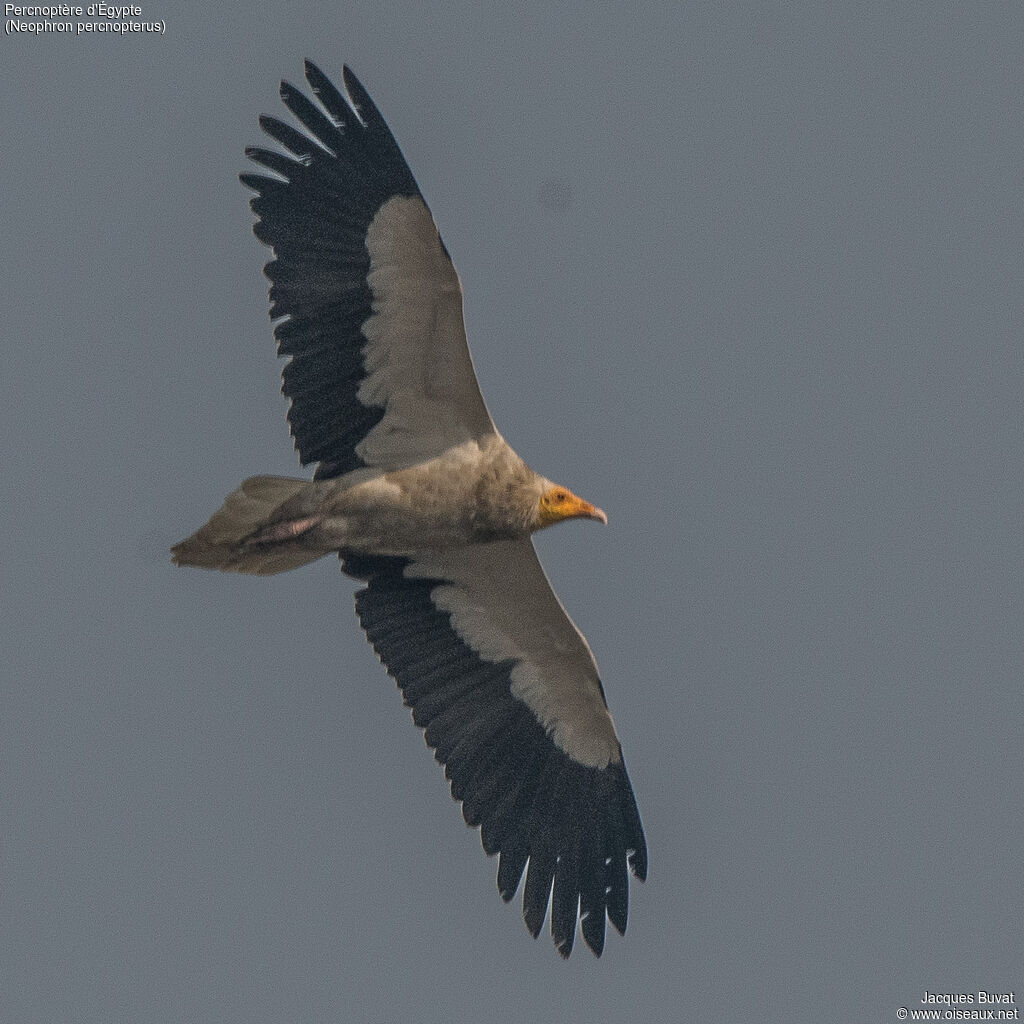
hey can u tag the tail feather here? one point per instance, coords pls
(262, 528)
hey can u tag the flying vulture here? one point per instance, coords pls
(428, 506)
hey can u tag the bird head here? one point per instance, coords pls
(558, 503)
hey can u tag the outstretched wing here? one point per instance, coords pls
(379, 371)
(508, 692)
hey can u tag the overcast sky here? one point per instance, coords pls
(748, 278)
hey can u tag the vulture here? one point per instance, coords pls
(427, 505)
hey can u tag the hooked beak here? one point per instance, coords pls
(584, 510)
(558, 504)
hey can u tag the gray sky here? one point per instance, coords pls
(749, 279)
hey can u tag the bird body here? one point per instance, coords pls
(474, 493)
(426, 503)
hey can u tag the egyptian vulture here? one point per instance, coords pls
(428, 506)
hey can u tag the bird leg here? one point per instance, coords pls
(275, 533)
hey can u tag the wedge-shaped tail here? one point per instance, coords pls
(261, 529)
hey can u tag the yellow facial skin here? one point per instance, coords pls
(558, 503)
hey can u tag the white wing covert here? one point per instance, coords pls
(379, 371)
(507, 691)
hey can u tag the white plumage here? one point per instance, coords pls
(427, 504)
